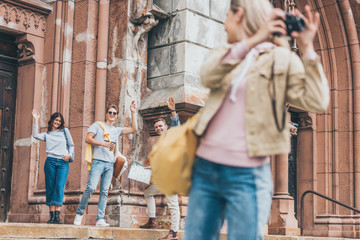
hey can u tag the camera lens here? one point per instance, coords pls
(293, 23)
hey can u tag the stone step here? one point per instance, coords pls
(27, 231)
(64, 231)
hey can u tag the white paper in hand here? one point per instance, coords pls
(139, 173)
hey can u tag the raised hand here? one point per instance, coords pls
(171, 103)
(132, 107)
(274, 24)
(305, 38)
(36, 115)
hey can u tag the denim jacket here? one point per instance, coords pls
(174, 121)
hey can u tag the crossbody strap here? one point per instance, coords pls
(67, 141)
(279, 127)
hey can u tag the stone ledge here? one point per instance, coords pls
(22, 231)
(64, 231)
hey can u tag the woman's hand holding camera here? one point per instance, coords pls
(305, 38)
(275, 24)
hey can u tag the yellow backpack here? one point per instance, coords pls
(172, 158)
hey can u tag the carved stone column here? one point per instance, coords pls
(282, 219)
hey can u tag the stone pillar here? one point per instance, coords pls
(282, 219)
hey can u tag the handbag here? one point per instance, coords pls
(172, 158)
(68, 147)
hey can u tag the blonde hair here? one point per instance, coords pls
(256, 12)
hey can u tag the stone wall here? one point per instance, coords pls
(176, 50)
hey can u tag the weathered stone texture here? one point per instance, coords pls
(202, 7)
(151, 69)
(218, 9)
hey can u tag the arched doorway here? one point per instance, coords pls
(8, 74)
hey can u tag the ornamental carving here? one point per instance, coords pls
(21, 19)
(25, 49)
(305, 121)
(146, 15)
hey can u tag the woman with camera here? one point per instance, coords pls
(243, 120)
(59, 149)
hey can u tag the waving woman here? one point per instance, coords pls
(59, 149)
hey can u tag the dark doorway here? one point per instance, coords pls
(292, 172)
(8, 73)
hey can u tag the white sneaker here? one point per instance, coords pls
(102, 223)
(77, 220)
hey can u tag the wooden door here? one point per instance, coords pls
(8, 73)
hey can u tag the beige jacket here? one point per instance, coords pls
(300, 83)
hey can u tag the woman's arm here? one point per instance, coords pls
(307, 86)
(133, 128)
(36, 134)
(223, 60)
(213, 69)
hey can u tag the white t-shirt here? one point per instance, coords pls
(100, 152)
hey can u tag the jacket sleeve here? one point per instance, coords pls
(213, 70)
(37, 135)
(175, 121)
(307, 87)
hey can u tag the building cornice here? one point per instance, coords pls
(31, 5)
(24, 16)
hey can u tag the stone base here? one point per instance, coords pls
(284, 231)
(282, 219)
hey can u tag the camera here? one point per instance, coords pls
(293, 23)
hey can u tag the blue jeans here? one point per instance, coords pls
(56, 173)
(103, 170)
(242, 196)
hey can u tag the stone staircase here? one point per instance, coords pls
(27, 231)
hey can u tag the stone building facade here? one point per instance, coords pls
(77, 56)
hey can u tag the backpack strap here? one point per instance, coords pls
(101, 125)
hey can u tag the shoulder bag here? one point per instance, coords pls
(172, 158)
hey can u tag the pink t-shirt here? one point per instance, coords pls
(224, 141)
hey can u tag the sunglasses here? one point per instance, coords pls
(112, 113)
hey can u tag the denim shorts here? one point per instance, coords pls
(241, 196)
